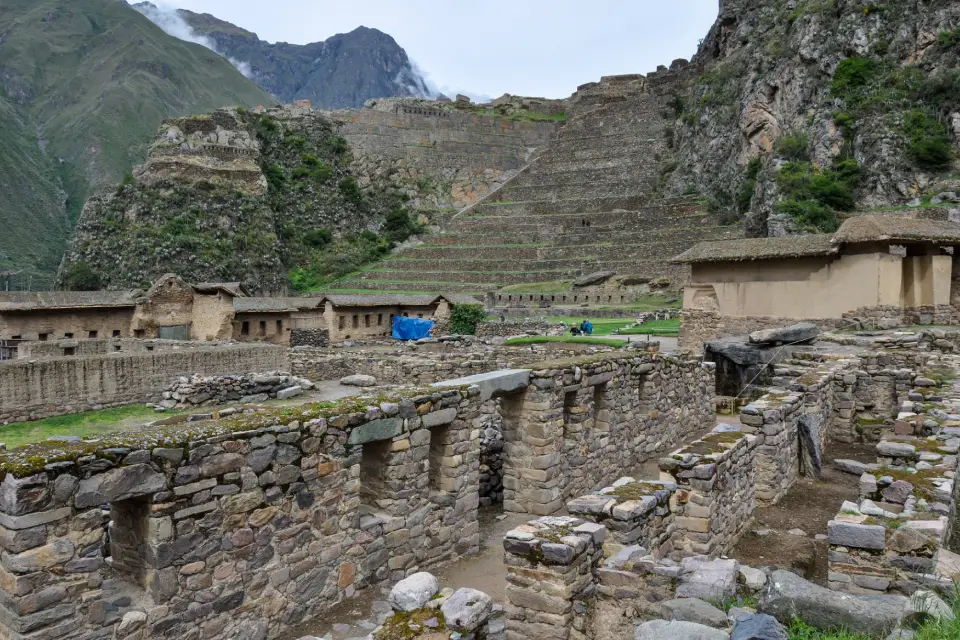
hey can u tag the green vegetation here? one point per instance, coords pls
(85, 425)
(928, 629)
(523, 114)
(601, 326)
(654, 328)
(78, 276)
(99, 78)
(794, 147)
(930, 144)
(949, 39)
(465, 317)
(745, 194)
(813, 197)
(567, 339)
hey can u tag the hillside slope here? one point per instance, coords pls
(799, 113)
(342, 71)
(234, 195)
(94, 78)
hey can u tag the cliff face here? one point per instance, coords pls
(798, 112)
(232, 195)
(343, 71)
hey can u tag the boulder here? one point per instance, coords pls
(677, 630)
(359, 380)
(795, 334)
(788, 596)
(890, 449)
(898, 492)
(850, 466)
(753, 579)
(758, 627)
(693, 610)
(594, 278)
(289, 392)
(708, 579)
(808, 430)
(467, 609)
(414, 592)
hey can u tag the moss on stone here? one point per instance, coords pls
(404, 625)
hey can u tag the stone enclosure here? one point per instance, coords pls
(244, 526)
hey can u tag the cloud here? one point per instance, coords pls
(435, 90)
(169, 19)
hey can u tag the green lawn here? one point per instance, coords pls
(568, 339)
(933, 630)
(601, 326)
(90, 424)
(654, 328)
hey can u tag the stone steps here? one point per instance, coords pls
(420, 274)
(428, 287)
(641, 177)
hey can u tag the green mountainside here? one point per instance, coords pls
(263, 198)
(83, 86)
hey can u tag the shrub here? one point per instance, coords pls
(78, 276)
(465, 317)
(398, 225)
(930, 145)
(949, 39)
(795, 146)
(318, 238)
(747, 187)
(274, 176)
(852, 75)
(337, 145)
(350, 189)
(810, 213)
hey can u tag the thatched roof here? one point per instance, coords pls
(896, 229)
(758, 249)
(235, 289)
(32, 300)
(275, 305)
(858, 229)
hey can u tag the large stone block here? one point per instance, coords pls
(119, 484)
(376, 430)
(858, 536)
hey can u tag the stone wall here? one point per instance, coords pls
(507, 329)
(698, 326)
(199, 391)
(309, 337)
(587, 423)
(34, 389)
(97, 347)
(238, 528)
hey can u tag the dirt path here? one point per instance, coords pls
(808, 507)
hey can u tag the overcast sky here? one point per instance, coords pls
(524, 47)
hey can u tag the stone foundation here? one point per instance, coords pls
(309, 337)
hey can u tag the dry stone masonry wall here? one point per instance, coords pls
(34, 389)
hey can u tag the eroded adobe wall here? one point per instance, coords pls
(34, 389)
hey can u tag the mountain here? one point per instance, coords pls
(83, 86)
(343, 71)
(236, 195)
(797, 114)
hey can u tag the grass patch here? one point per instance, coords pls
(601, 326)
(89, 424)
(654, 328)
(603, 342)
(928, 630)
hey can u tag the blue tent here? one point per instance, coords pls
(411, 328)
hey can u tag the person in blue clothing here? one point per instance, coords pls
(586, 328)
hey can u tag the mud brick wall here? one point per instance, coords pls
(716, 497)
(35, 389)
(582, 425)
(551, 564)
(238, 528)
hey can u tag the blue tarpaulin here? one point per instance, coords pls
(411, 328)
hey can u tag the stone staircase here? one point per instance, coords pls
(585, 204)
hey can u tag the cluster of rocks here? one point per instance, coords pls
(491, 457)
(309, 337)
(250, 388)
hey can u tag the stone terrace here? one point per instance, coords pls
(584, 205)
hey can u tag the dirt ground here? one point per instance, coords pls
(808, 506)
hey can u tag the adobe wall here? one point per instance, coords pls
(31, 325)
(35, 389)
